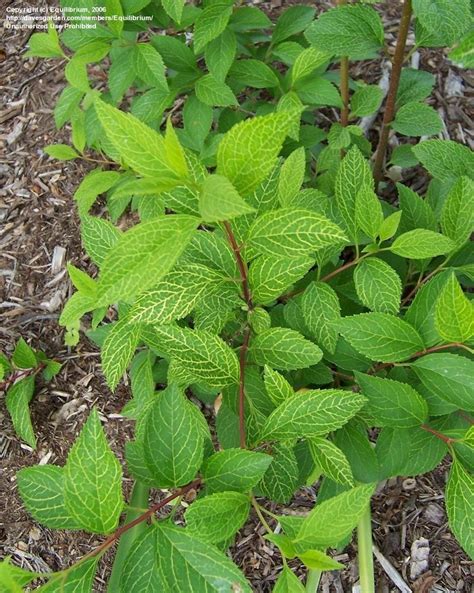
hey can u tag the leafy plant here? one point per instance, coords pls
(331, 329)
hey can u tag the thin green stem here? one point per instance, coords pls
(312, 580)
(258, 510)
(365, 556)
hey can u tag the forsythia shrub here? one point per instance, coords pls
(265, 273)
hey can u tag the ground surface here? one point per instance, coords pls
(39, 233)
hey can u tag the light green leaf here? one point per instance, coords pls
(142, 256)
(270, 276)
(353, 174)
(417, 119)
(217, 517)
(214, 92)
(463, 53)
(291, 176)
(234, 470)
(312, 413)
(444, 20)
(23, 356)
(293, 20)
(334, 519)
(403, 156)
(249, 150)
(94, 183)
(202, 357)
(173, 443)
(118, 349)
(210, 23)
(76, 75)
(421, 243)
(457, 215)
(454, 313)
(253, 73)
(66, 105)
(174, 151)
(141, 377)
(292, 103)
(354, 31)
(307, 61)
(13, 578)
(17, 399)
(460, 506)
(288, 582)
(415, 85)
(98, 237)
(197, 119)
(277, 387)
(219, 200)
(338, 138)
(366, 100)
(368, 212)
(317, 560)
(378, 285)
(62, 152)
(139, 146)
(381, 336)
(391, 403)
(289, 232)
(321, 308)
(259, 320)
(318, 91)
(331, 460)
(149, 66)
(445, 159)
(390, 225)
(41, 488)
(44, 45)
(281, 478)
(220, 54)
(93, 480)
(78, 579)
(284, 349)
(449, 376)
(174, 9)
(416, 212)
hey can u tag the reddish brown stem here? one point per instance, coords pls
(18, 375)
(389, 114)
(344, 82)
(245, 344)
(385, 365)
(440, 435)
(105, 545)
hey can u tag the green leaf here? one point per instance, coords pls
(291, 176)
(449, 376)
(460, 506)
(338, 138)
(98, 237)
(142, 256)
(445, 20)
(175, 296)
(380, 336)
(393, 451)
(202, 357)
(415, 85)
(246, 18)
(23, 356)
(457, 215)
(249, 150)
(214, 92)
(389, 226)
(282, 476)
(331, 460)
(416, 212)
(173, 443)
(41, 488)
(92, 52)
(318, 91)
(293, 20)
(94, 183)
(253, 73)
(270, 276)
(175, 53)
(378, 286)
(417, 119)
(139, 146)
(174, 9)
(421, 243)
(312, 413)
(220, 54)
(276, 386)
(66, 105)
(463, 53)
(392, 403)
(118, 349)
(317, 560)
(445, 159)
(353, 174)
(141, 377)
(403, 156)
(366, 100)
(17, 399)
(259, 320)
(174, 151)
(77, 579)
(334, 519)
(166, 558)
(76, 74)
(210, 23)
(454, 313)
(288, 582)
(13, 578)
(368, 212)
(283, 349)
(234, 470)
(354, 31)
(149, 66)
(289, 232)
(44, 45)
(219, 200)
(307, 61)
(353, 441)
(62, 152)
(93, 480)
(217, 517)
(122, 73)
(321, 308)
(197, 119)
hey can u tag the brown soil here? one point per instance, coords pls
(37, 222)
